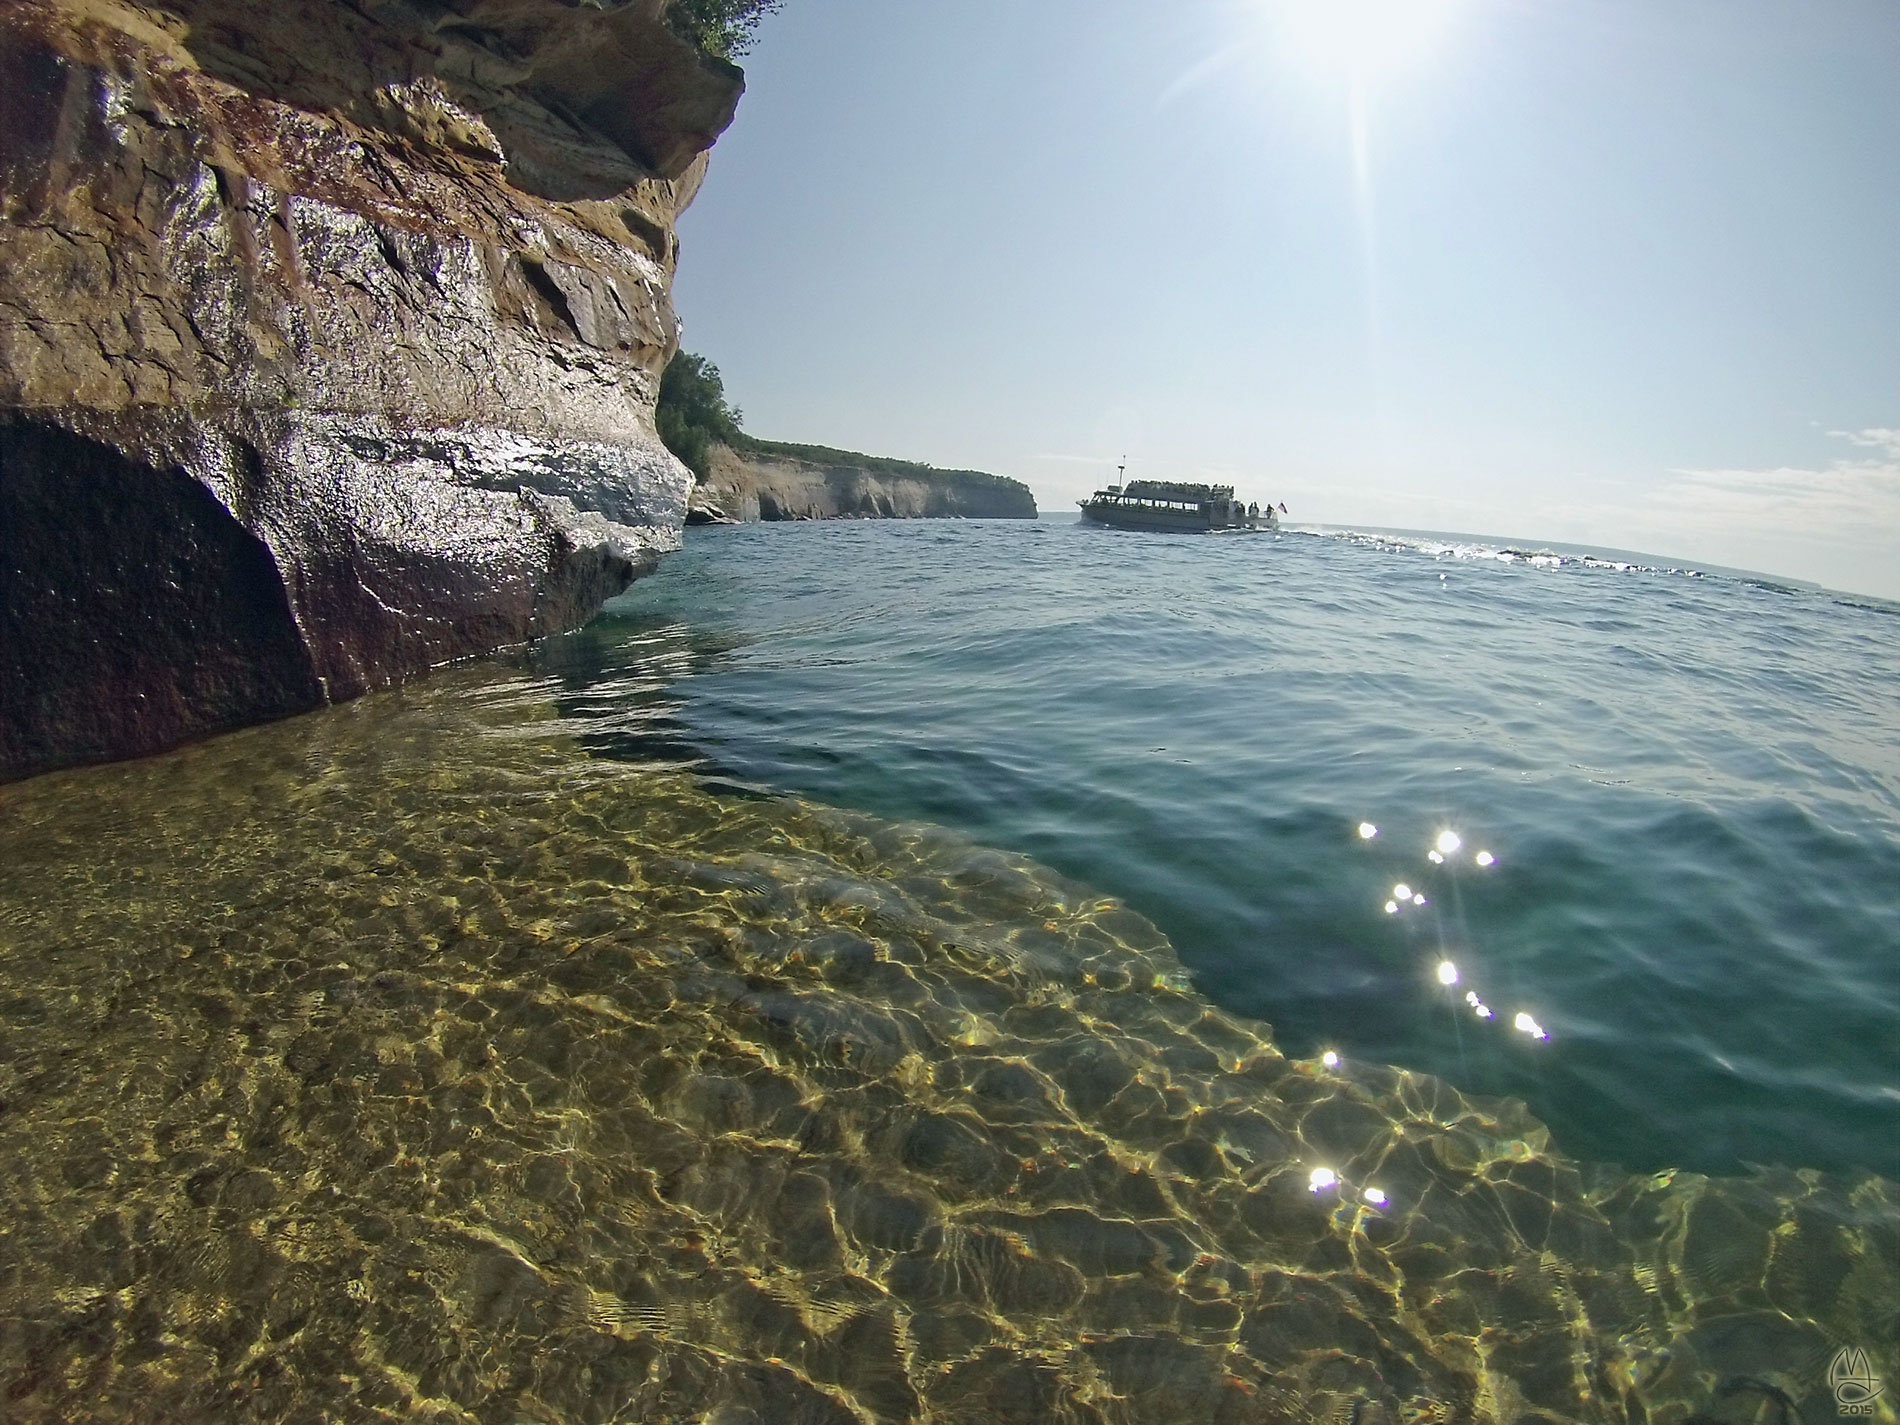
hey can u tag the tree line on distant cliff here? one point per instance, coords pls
(720, 27)
(693, 412)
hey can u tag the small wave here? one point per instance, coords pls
(1871, 605)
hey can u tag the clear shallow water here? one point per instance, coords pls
(1690, 784)
(455, 1055)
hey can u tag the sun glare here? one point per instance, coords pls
(1363, 38)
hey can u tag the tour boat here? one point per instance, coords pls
(1171, 505)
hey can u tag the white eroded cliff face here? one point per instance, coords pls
(329, 341)
(770, 484)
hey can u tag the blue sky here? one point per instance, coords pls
(1615, 272)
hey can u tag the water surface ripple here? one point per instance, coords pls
(1690, 783)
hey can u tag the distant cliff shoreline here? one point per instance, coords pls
(763, 480)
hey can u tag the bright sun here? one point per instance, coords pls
(1362, 38)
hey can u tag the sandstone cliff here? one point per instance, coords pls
(766, 481)
(329, 337)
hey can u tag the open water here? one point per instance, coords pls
(957, 972)
(1688, 786)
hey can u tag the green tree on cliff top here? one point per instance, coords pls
(693, 412)
(720, 27)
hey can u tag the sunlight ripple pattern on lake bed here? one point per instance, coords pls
(409, 1060)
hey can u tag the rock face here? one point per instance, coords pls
(329, 340)
(809, 483)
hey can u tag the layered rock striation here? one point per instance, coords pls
(765, 481)
(329, 341)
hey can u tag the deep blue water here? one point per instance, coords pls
(1689, 784)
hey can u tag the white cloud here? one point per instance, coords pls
(1877, 438)
(1854, 499)
(1837, 524)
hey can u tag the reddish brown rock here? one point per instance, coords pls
(329, 339)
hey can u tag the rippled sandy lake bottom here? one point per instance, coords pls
(405, 1062)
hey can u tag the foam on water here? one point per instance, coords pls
(1453, 546)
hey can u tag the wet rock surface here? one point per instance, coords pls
(374, 300)
(753, 484)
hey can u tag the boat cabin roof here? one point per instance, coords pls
(1176, 490)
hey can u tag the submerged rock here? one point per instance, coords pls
(329, 340)
(345, 1078)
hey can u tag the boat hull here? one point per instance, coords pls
(1119, 516)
